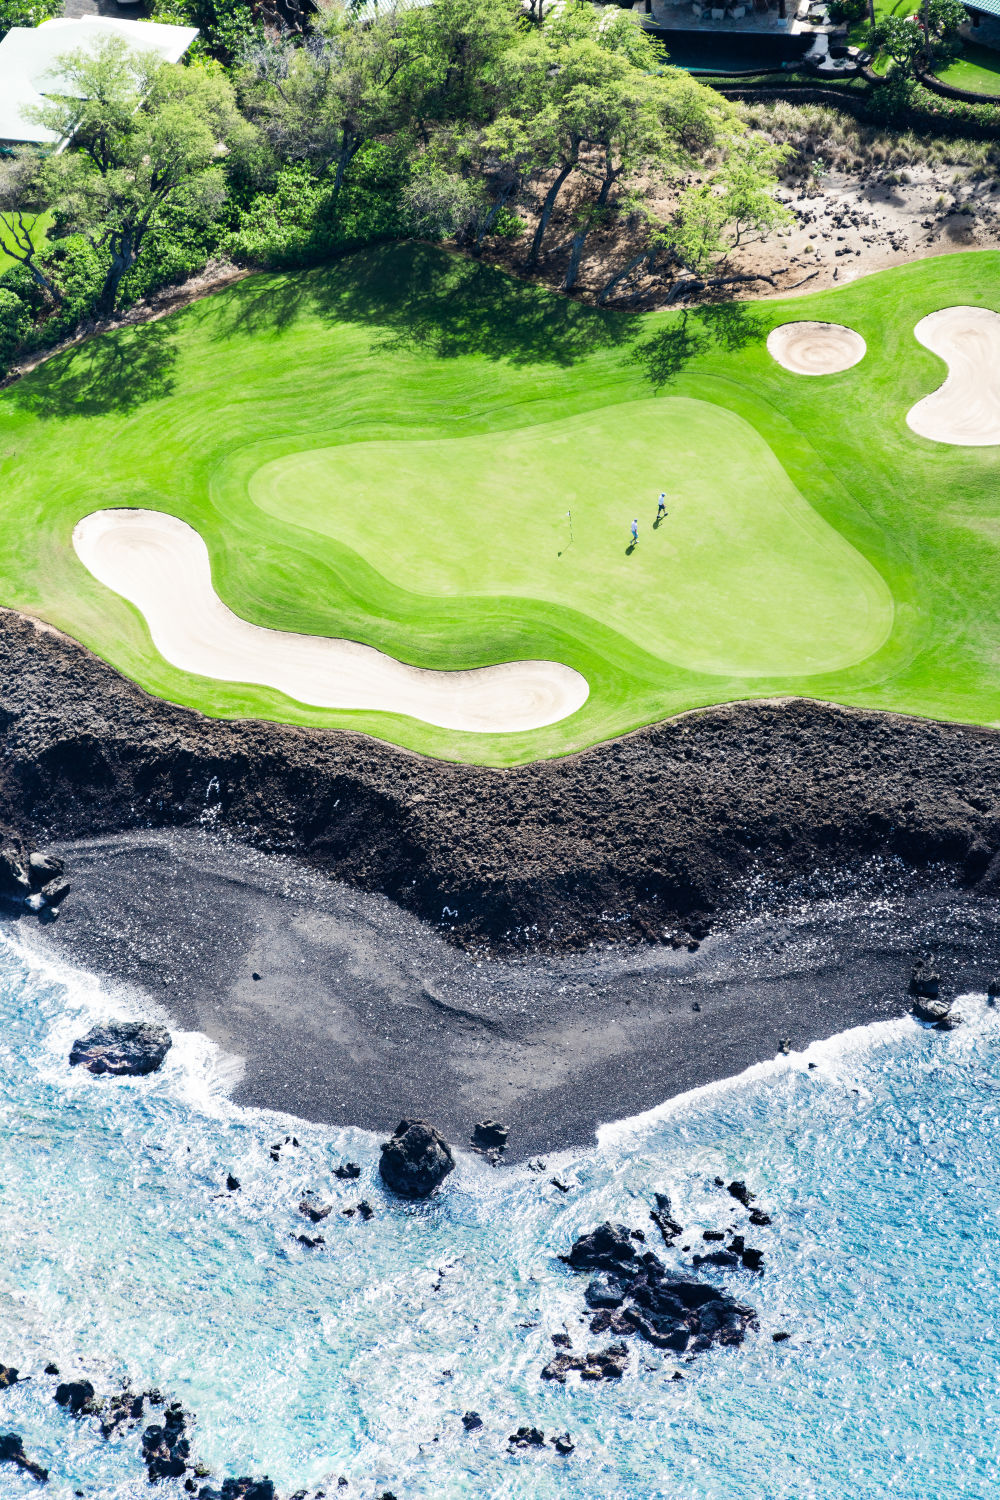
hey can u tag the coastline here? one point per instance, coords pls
(362, 1013)
(653, 838)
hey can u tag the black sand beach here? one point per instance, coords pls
(363, 1014)
(555, 945)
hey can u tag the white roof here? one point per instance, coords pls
(28, 61)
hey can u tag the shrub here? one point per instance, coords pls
(27, 13)
(15, 326)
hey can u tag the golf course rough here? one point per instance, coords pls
(384, 451)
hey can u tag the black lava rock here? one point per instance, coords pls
(472, 1421)
(14, 880)
(563, 1443)
(315, 1211)
(662, 1217)
(740, 1192)
(925, 981)
(604, 1291)
(599, 1364)
(8, 1376)
(489, 1135)
(670, 1311)
(74, 1394)
(759, 1218)
(122, 1048)
(527, 1437)
(42, 868)
(609, 1247)
(348, 1171)
(165, 1448)
(416, 1159)
(239, 1489)
(232, 1183)
(12, 1452)
(934, 1011)
(55, 891)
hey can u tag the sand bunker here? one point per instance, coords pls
(965, 410)
(161, 566)
(815, 348)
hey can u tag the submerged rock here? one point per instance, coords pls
(165, 1448)
(122, 1048)
(599, 1364)
(662, 1217)
(527, 1437)
(563, 1443)
(239, 1489)
(668, 1310)
(310, 1209)
(472, 1421)
(12, 1452)
(415, 1160)
(74, 1394)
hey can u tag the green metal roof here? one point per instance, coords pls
(988, 7)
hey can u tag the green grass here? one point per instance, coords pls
(976, 69)
(386, 450)
(38, 226)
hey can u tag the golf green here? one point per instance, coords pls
(415, 452)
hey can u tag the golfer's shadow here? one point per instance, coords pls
(630, 548)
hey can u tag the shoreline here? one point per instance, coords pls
(655, 838)
(362, 1014)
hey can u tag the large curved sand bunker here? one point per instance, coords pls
(815, 348)
(965, 410)
(162, 567)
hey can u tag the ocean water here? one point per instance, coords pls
(123, 1257)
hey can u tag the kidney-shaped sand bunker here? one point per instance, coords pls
(965, 410)
(815, 348)
(161, 565)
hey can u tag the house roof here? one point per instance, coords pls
(988, 7)
(28, 68)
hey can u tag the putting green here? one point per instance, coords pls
(742, 577)
(385, 450)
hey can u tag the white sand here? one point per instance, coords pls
(162, 567)
(815, 348)
(965, 410)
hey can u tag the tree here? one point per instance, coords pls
(322, 101)
(736, 206)
(914, 46)
(26, 13)
(146, 135)
(22, 223)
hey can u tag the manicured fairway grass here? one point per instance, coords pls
(387, 449)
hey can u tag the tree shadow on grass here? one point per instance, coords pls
(728, 326)
(113, 373)
(417, 298)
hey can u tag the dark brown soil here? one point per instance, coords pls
(630, 840)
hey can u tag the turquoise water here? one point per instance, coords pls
(121, 1259)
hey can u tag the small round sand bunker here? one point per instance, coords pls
(815, 348)
(965, 410)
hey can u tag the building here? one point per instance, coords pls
(29, 64)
